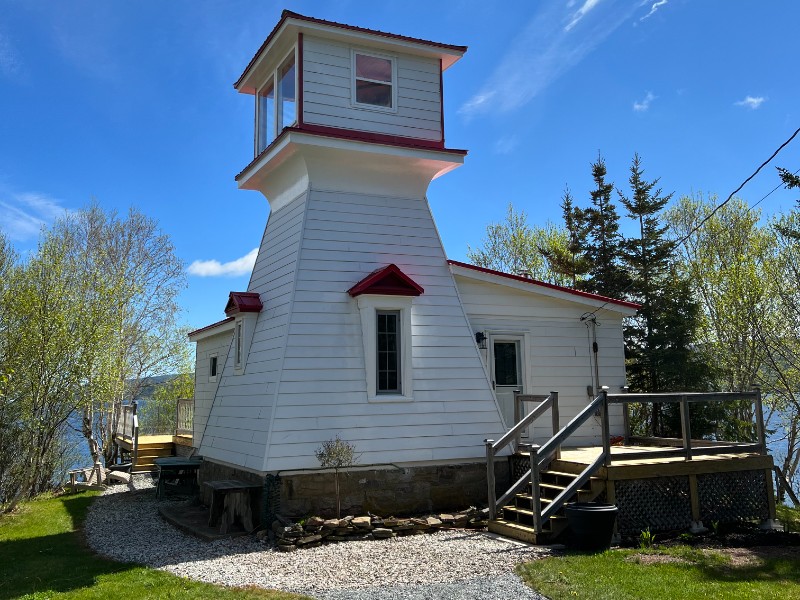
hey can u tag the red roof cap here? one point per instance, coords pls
(388, 281)
(287, 14)
(552, 286)
(241, 302)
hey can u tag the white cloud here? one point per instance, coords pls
(654, 8)
(644, 104)
(10, 63)
(580, 13)
(751, 102)
(544, 50)
(234, 268)
(506, 144)
(22, 215)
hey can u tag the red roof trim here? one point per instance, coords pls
(212, 326)
(552, 286)
(356, 136)
(287, 14)
(387, 281)
(242, 302)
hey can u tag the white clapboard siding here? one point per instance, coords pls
(327, 91)
(204, 388)
(322, 391)
(557, 354)
(241, 415)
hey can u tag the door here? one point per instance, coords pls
(507, 373)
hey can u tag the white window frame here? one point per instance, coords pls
(277, 116)
(368, 306)
(393, 83)
(213, 357)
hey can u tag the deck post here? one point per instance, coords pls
(762, 440)
(605, 428)
(536, 503)
(517, 418)
(492, 495)
(626, 418)
(556, 418)
(686, 427)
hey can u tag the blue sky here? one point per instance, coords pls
(132, 104)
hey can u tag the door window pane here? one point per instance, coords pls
(505, 363)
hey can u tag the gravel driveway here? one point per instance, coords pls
(454, 564)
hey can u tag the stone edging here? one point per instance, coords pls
(315, 531)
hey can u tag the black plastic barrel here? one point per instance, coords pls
(592, 525)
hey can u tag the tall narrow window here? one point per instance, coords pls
(238, 342)
(374, 80)
(287, 92)
(212, 367)
(388, 352)
(266, 116)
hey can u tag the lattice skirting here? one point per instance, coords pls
(735, 496)
(661, 504)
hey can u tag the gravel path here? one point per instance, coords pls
(454, 564)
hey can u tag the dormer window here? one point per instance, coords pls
(374, 81)
(276, 111)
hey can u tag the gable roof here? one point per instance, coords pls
(549, 286)
(242, 302)
(209, 329)
(387, 281)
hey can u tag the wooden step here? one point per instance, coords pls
(516, 531)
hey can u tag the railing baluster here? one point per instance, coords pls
(606, 428)
(556, 420)
(536, 502)
(686, 428)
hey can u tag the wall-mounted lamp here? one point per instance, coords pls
(480, 339)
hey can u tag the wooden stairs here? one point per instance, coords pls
(516, 520)
(150, 448)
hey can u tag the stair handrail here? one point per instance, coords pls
(512, 434)
(540, 457)
(782, 481)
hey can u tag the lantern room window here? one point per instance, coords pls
(374, 81)
(276, 103)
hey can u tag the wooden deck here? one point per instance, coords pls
(151, 447)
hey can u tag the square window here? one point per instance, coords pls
(374, 81)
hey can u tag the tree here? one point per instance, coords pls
(789, 179)
(337, 454)
(604, 250)
(515, 247)
(568, 259)
(159, 411)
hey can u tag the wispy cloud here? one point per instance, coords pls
(644, 104)
(556, 39)
(234, 268)
(22, 215)
(653, 8)
(10, 62)
(751, 102)
(506, 144)
(580, 13)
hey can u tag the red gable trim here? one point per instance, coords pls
(287, 14)
(212, 326)
(241, 302)
(387, 281)
(552, 286)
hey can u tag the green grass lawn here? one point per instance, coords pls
(692, 574)
(42, 555)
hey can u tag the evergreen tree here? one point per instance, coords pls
(604, 251)
(570, 260)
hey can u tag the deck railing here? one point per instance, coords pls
(184, 417)
(127, 428)
(541, 456)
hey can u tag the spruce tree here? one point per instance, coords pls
(570, 259)
(604, 250)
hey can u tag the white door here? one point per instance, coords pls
(507, 373)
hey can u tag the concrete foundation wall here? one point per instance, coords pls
(386, 492)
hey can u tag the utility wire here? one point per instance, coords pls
(719, 206)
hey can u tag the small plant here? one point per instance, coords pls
(715, 527)
(646, 539)
(337, 454)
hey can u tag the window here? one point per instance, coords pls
(388, 352)
(386, 329)
(238, 341)
(276, 103)
(212, 367)
(374, 79)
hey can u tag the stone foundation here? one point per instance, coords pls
(386, 491)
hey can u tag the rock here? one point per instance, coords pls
(377, 521)
(262, 535)
(391, 522)
(420, 524)
(331, 524)
(447, 518)
(344, 530)
(433, 522)
(287, 548)
(309, 540)
(336, 538)
(362, 522)
(314, 522)
(382, 533)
